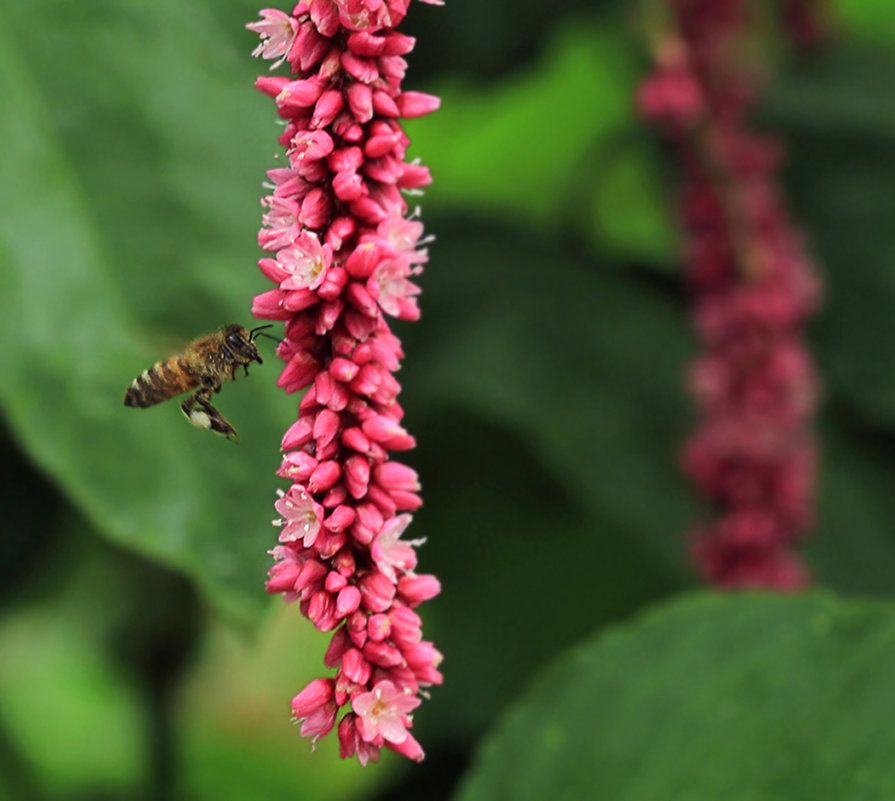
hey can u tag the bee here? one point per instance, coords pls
(206, 363)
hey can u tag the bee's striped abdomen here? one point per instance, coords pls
(163, 380)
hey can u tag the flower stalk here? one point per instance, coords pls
(753, 454)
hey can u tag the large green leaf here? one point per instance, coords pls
(77, 290)
(738, 697)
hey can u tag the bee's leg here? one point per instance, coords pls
(202, 414)
(246, 368)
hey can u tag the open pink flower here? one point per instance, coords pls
(277, 31)
(392, 554)
(302, 516)
(306, 262)
(382, 713)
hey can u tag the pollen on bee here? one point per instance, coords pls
(200, 419)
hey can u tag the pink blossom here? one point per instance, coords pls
(383, 712)
(346, 250)
(396, 295)
(277, 31)
(390, 553)
(305, 261)
(302, 516)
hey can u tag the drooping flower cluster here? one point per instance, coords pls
(344, 253)
(753, 453)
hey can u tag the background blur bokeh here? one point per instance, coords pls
(139, 654)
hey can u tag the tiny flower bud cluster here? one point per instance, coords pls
(753, 454)
(344, 253)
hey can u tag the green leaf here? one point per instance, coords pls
(75, 312)
(737, 697)
(869, 19)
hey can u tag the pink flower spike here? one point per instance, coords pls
(277, 31)
(383, 712)
(342, 251)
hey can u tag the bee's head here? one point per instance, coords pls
(240, 342)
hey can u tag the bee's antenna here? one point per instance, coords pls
(256, 332)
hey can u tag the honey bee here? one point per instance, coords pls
(206, 363)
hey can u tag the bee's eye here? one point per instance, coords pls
(234, 341)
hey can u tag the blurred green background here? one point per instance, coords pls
(139, 654)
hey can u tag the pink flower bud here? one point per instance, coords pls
(382, 654)
(343, 369)
(367, 210)
(357, 296)
(377, 146)
(334, 582)
(325, 475)
(337, 647)
(406, 626)
(271, 85)
(381, 428)
(357, 475)
(299, 372)
(269, 305)
(297, 435)
(348, 600)
(297, 466)
(364, 69)
(310, 146)
(416, 104)
(378, 627)
(384, 105)
(327, 107)
(408, 747)
(355, 439)
(283, 576)
(377, 591)
(396, 476)
(326, 426)
(331, 288)
(295, 96)
(355, 667)
(348, 186)
(340, 229)
(315, 208)
(322, 611)
(341, 517)
(360, 102)
(414, 176)
(416, 589)
(312, 697)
